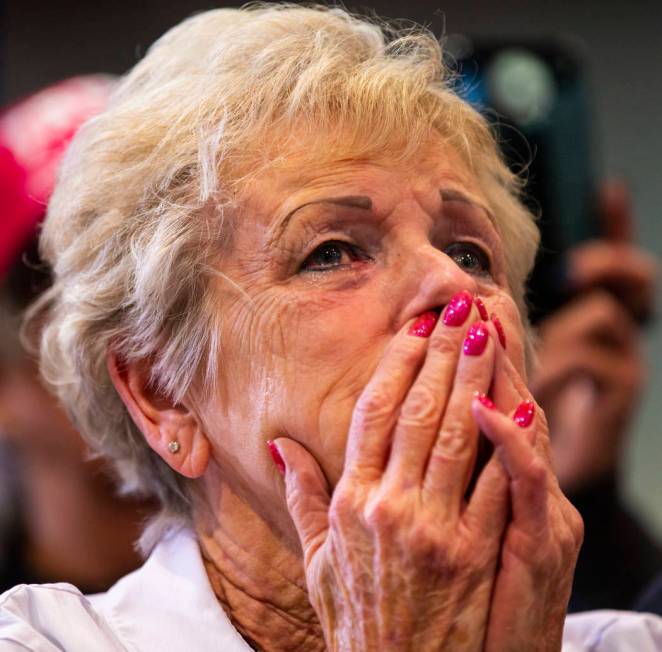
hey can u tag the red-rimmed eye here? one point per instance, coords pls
(330, 255)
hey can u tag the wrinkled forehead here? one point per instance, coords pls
(300, 168)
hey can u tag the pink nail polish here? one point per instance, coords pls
(499, 329)
(458, 309)
(476, 339)
(482, 310)
(524, 414)
(485, 400)
(424, 325)
(275, 456)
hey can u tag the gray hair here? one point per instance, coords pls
(141, 207)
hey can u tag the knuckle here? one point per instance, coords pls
(421, 407)
(375, 404)
(536, 472)
(453, 440)
(442, 342)
(381, 516)
(341, 510)
(421, 540)
(430, 547)
(295, 500)
(576, 524)
(567, 544)
(408, 351)
(464, 561)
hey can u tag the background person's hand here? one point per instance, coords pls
(589, 375)
(590, 368)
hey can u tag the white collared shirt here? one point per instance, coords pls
(168, 604)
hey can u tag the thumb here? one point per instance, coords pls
(306, 492)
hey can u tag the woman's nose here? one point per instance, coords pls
(432, 280)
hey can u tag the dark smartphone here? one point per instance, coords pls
(535, 94)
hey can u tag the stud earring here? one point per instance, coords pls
(174, 446)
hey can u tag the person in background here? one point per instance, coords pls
(60, 517)
(589, 376)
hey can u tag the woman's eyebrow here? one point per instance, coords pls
(353, 201)
(450, 194)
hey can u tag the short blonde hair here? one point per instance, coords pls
(141, 208)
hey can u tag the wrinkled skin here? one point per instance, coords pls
(319, 360)
(298, 353)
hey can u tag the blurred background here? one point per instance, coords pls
(618, 43)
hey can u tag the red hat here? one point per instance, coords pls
(34, 134)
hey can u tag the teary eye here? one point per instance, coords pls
(469, 257)
(332, 254)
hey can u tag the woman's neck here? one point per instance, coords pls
(256, 576)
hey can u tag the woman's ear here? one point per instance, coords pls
(170, 429)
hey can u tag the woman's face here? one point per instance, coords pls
(332, 260)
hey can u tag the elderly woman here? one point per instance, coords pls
(287, 248)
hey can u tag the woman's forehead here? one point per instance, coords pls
(304, 175)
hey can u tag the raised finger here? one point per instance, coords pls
(527, 471)
(508, 388)
(453, 454)
(377, 408)
(422, 409)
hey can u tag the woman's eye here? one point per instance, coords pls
(469, 257)
(330, 255)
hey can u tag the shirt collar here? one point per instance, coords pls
(168, 603)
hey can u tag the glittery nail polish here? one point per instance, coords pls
(458, 309)
(276, 457)
(424, 324)
(482, 310)
(524, 414)
(485, 400)
(476, 339)
(499, 329)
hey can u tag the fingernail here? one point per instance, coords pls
(275, 456)
(458, 309)
(485, 400)
(482, 310)
(476, 339)
(424, 325)
(499, 329)
(524, 414)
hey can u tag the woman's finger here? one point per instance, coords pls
(487, 510)
(508, 388)
(377, 408)
(306, 492)
(453, 454)
(422, 409)
(528, 472)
